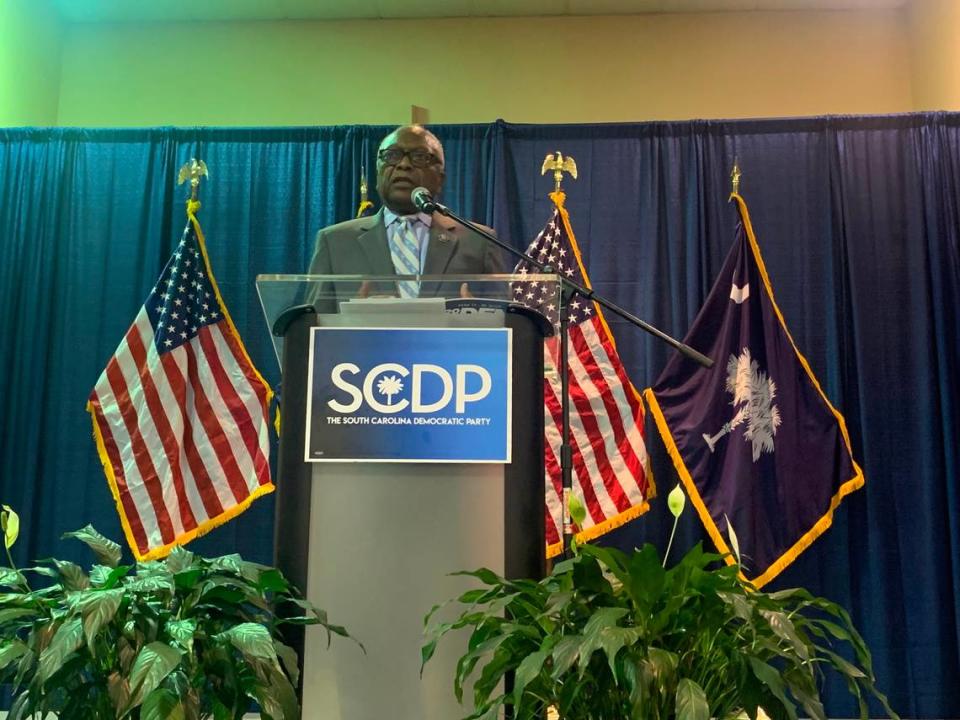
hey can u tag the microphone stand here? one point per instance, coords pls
(425, 203)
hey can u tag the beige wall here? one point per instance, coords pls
(935, 44)
(537, 70)
(29, 63)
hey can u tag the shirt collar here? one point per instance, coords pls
(390, 217)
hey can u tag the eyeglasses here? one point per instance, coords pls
(418, 158)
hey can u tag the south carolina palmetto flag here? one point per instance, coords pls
(754, 439)
(180, 414)
(611, 470)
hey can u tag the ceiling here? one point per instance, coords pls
(228, 10)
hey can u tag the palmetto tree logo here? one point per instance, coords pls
(753, 395)
(390, 386)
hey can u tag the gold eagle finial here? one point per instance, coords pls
(559, 164)
(365, 203)
(735, 178)
(192, 171)
(363, 185)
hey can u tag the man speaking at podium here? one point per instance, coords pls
(399, 240)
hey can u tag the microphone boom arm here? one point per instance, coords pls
(425, 203)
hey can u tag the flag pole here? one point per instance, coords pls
(566, 450)
(559, 165)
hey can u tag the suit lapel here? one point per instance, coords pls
(442, 246)
(373, 241)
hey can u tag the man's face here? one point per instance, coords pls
(419, 166)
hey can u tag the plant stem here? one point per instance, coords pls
(670, 543)
(13, 566)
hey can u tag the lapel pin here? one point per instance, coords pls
(443, 237)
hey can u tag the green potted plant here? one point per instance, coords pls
(183, 638)
(609, 635)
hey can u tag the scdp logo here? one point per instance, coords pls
(387, 387)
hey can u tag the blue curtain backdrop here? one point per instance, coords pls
(858, 219)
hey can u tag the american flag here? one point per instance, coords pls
(180, 414)
(611, 471)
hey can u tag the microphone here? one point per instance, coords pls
(423, 200)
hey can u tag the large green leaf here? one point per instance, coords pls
(527, 671)
(427, 650)
(484, 575)
(22, 707)
(783, 628)
(565, 653)
(288, 656)
(179, 560)
(488, 713)
(68, 637)
(182, 632)
(188, 579)
(72, 576)
(603, 617)
(252, 640)
(11, 651)
(646, 578)
(127, 653)
(154, 662)
(8, 614)
(26, 669)
(594, 636)
(467, 663)
(844, 666)
(41, 570)
(276, 695)
(589, 577)
(98, 609)
(503, 660)
(771, 678)
(119, 691)
(272, 580)
(150, 583)
(662, 666)
(691, 701)
(162, 704)
(740, 604)
(613, 640)
(228, 563)
(107, 578)
(11, 578)
(107, 551)
(803, 686)
(613, 560)
(99, 574)
(221, 711)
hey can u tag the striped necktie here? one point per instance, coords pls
(405, 251)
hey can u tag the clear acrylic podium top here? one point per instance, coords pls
(344, 300)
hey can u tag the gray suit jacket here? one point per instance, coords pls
(359, 247)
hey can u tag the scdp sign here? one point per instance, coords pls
(409, 395)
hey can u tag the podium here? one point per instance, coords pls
(411, 447)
